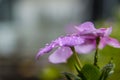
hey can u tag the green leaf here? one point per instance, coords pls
(70, 76)
(107, 71)
(80, 74)
(90, 72)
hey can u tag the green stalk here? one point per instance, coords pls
(96, 52)
(76, 58)
(96, 57)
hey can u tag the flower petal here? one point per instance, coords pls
(110, 41)
(70, 40)
(102, 43)
(87, 47)
(113, 42)
(108, 31)
(86, 27)
(46, 49)
(60, 55)
(103, 31)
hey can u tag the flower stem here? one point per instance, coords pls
(96, 52)
(76, 58)
(96, 57)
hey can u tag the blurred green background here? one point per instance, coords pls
(27, 25)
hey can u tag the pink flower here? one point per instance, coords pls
(84, 41)
(64, 51)
(89, 33)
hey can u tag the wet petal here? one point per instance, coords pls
(69, 40)
(113, 42)
(46, 49)
(85, 48)
(86, 27)
(60, 55)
